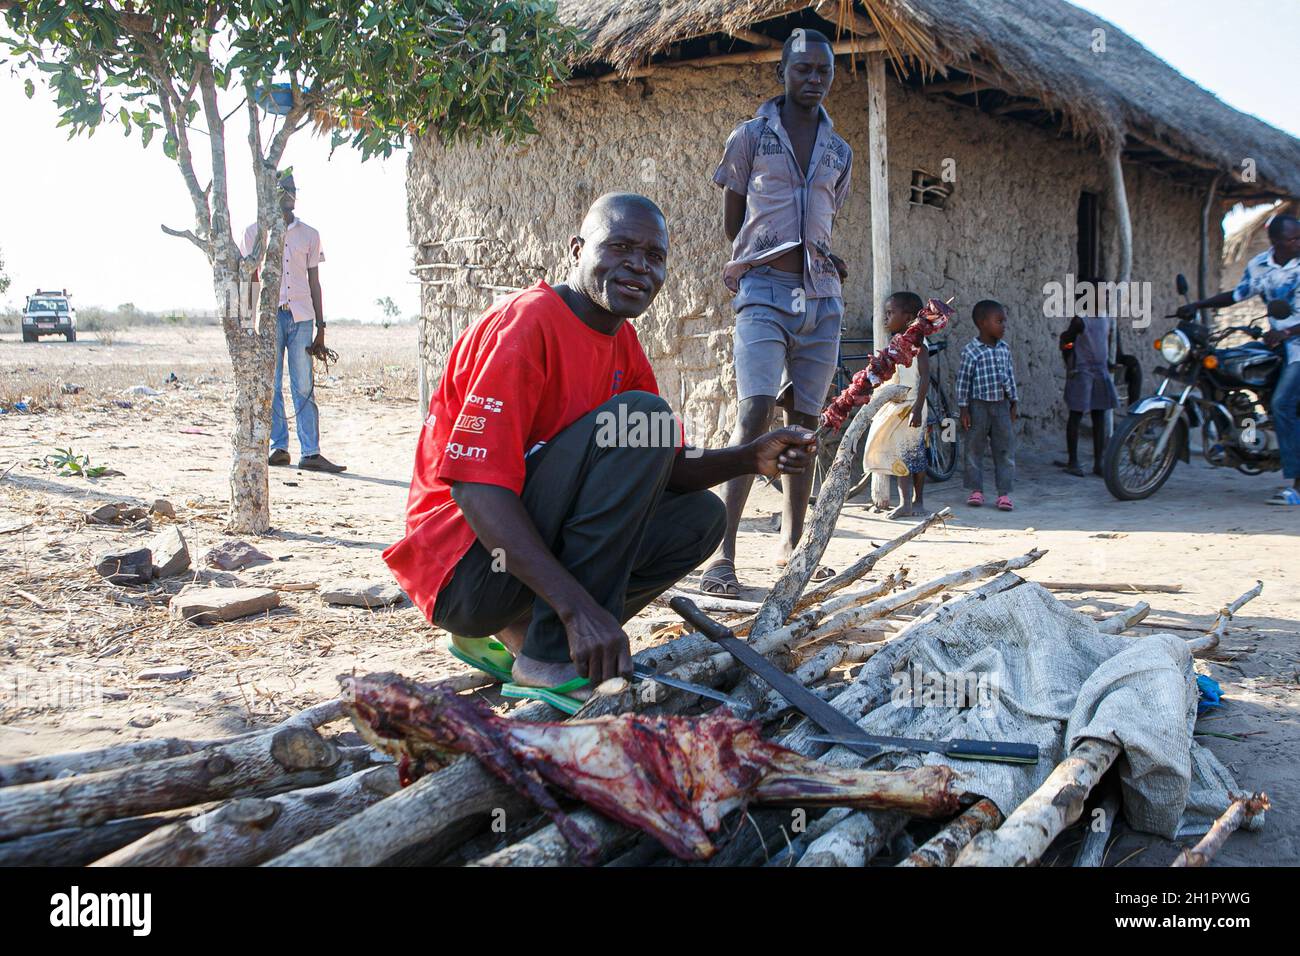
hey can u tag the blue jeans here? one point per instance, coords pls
(295, 338)
(1285, 398)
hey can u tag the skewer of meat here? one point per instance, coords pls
(901, 350)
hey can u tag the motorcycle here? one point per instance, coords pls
(1226, 391)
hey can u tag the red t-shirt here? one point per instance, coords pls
(525, 371)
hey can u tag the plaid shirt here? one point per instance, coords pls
(986, 373)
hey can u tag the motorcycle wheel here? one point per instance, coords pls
(1130, 471)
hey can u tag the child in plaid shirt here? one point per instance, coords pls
(986, 397)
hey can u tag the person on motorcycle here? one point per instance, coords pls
(1275, 274)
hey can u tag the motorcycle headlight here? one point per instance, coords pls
(1175, 347)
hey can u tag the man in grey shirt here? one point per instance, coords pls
(785, 174)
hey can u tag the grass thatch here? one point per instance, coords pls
(1043, 46)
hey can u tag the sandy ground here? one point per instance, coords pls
(71, 646)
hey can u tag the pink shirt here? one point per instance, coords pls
(302, 251)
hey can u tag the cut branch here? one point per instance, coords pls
(942, 848)
(1240, 812)
(1204, 645)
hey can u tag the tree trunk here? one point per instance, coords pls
(1092, 852)
(1047, 811)
(942, 848)
(248, 831)
(292, 757)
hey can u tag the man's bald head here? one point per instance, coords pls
(612, 206)
(620, 256)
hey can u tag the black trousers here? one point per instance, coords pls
(601, 504)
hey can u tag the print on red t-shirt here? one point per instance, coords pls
(525, 371)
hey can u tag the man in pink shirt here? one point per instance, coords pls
(300, 305)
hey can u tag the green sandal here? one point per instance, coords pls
(485, 653)
(557, 696)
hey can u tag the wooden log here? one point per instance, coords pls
(548, 847)
(1092, 851)
(1238, 813)
(77, 846)
(1033, 825)
(855, 839)
(1204, 645)
(247, 831)
(290, 758)
(36, 769)
(1123, 620)
(942, 848)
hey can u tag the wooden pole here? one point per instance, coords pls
(878, 160)
(1203, 267)
(1124, 229)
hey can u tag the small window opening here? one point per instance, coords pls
(928, 190)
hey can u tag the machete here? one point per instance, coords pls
(1000, 751)
(803, 700)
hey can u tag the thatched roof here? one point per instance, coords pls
(1250, 231)
(1043, 48)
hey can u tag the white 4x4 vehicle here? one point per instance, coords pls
(49, 313)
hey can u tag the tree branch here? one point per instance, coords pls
(220, 234)
(204, 247)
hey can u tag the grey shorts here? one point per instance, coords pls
(777, 346)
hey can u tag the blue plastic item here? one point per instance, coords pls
(1211, 694)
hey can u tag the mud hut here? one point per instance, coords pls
(1001, 145)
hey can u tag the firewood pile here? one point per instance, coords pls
(645, 774)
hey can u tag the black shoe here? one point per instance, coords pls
(319, 463)
(278, 457)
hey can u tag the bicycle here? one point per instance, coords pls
(941, 453)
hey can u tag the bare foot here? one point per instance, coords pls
(534, 673)
(902, 511)
(512, 636)
(783, 554)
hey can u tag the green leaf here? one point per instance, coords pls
(29, 88)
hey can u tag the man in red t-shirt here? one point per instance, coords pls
(551, 498)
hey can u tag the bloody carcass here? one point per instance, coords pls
(675, 778)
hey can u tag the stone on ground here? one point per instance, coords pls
(358, 592)
(234, 555)
(199, 605)
(171, 555)
(126, 566)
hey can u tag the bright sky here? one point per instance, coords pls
(85, 213)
